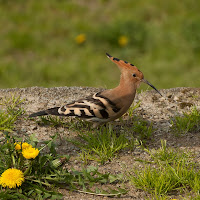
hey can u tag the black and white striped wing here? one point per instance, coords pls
(94, 108)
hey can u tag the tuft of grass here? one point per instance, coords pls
(152, 180)
(142, 129)
(79, 124)
(159, 197)
(11, 111)
(100, 146)
(170, 171)
(196, 198)
(178, 176)
(53, 121)
(166, 154)
(58, 121)
(189, 122)
(132, 108)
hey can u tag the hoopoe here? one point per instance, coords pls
(107, 105)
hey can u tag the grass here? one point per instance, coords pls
(132, 109)
(53, 121)
(59, 121)
(39, 38)
(142, 129)
(137, 127)
(165, 154)
(189, 122)
(100, 146)
(105, 144)
(170, 171)
(12, 111)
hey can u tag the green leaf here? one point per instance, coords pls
(46, 195)
(97, 190)
(114, 178)
(57, 196)
(33, 138)
(30, 192)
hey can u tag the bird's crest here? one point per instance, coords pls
(121, 63)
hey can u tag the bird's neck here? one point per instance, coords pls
(126, 86)
(123, 94)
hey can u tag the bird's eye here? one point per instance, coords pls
(134, 75)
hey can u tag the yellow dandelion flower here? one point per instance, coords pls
(12, 178)
(123, 41)
(80, 39)
(17, 146)
(30, 152)
(24, 145)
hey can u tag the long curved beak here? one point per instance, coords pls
(145, 81)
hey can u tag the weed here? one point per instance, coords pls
(189, 122)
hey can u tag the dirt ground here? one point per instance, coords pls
(153, 108)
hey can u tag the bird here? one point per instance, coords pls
(107, 105)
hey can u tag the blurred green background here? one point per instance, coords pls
(63, 42)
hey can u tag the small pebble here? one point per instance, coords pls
(176, 98)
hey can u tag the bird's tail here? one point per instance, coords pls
(51, 111)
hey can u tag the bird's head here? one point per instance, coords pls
(130, 72)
